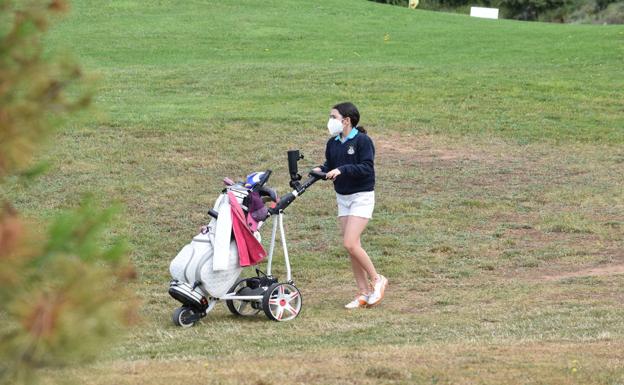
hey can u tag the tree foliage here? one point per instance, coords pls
(31, 88)
(60, 289)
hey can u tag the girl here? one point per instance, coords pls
(349, 162)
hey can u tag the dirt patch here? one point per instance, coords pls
(590, 272)
(526, 250)
(424, 149)
(532, 238)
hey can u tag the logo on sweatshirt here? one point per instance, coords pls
(351, 150)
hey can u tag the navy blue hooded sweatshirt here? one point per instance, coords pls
(355, 158)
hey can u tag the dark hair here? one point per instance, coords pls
(349, 110)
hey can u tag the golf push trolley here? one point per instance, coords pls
(280, 301)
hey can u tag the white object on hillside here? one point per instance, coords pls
(413, 4)
(486, 13)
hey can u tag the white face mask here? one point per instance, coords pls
(334, 126)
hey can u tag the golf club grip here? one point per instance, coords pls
(269, 192)
(284, 202)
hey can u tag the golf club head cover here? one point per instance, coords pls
(257, 211)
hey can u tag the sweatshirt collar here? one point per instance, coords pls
(354, 131)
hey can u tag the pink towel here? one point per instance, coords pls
(250, 251)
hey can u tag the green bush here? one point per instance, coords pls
(561, 11)
(599, 11)
(528, 9)
(393, 2)
(613, 14)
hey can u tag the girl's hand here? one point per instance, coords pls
(333, 174)
(316, 169)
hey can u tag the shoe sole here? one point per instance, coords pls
(383, 293)
(361, 306)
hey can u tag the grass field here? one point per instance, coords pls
(500, 209)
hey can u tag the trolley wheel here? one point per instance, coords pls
(244, 308)
(282, 302)
(184, 316)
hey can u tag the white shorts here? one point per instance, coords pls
(359, 204)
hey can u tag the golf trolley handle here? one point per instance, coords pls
(287, 199)
(318, 174)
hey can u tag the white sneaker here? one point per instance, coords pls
(379, 289)
(360, 301)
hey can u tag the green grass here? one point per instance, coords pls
(282, 63)
(499, 163)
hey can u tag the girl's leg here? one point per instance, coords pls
(358, 271)
(353, 228)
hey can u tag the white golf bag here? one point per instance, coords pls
(209, 265)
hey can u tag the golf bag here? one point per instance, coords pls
(209, 265)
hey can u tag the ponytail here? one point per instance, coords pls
(349, 110)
